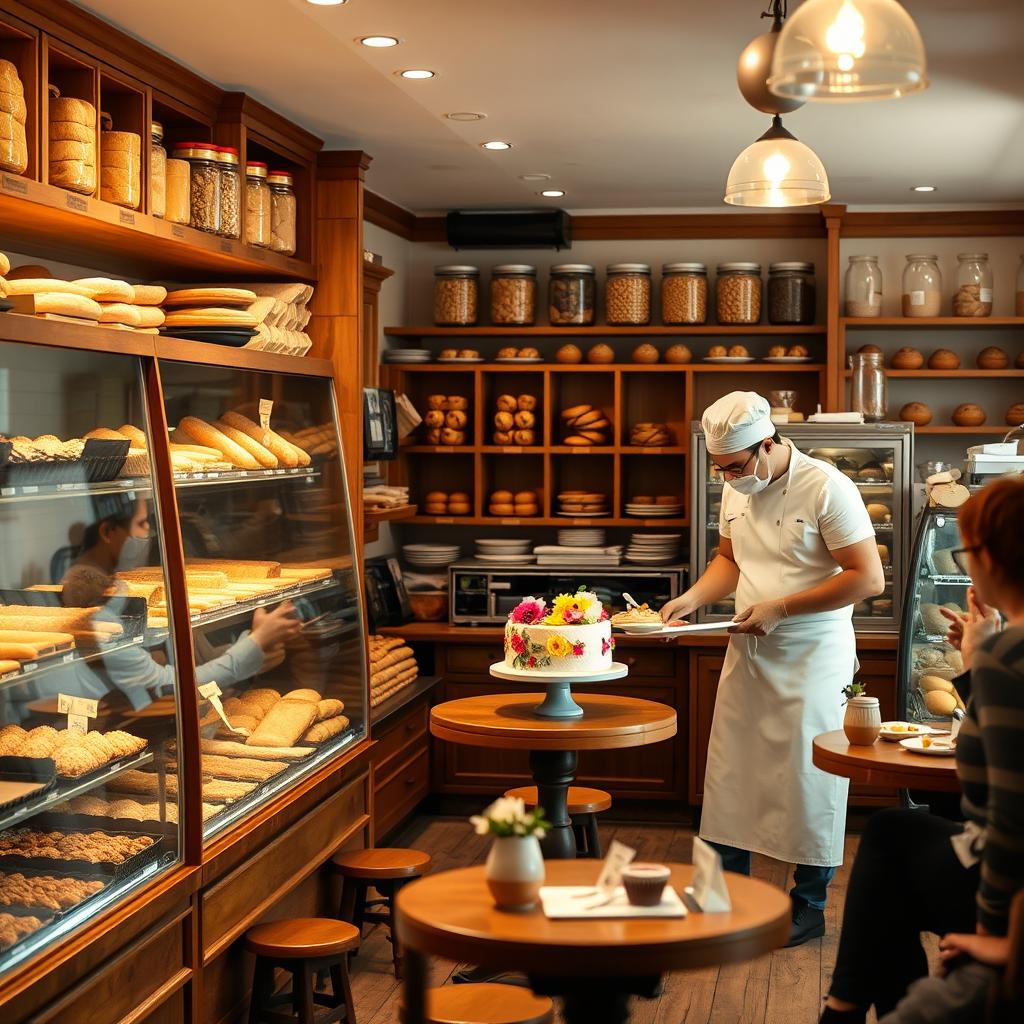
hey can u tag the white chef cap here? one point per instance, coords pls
(736, 421)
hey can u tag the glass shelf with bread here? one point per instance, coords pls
(272, 584)
(87, 707)
(877, 457)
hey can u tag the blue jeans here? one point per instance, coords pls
(810, 883)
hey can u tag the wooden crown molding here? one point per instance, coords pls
(261, 121)
(343, 165)
(934, 224)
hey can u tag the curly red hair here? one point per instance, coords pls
(993, 519)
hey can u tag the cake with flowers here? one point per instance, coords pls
(571, 635)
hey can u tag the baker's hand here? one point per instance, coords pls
(271, 629)
(759, 619)
(675, 612)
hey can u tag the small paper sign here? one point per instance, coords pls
(211, 691)
(266, 408)
(78, 723)
(709, 890)
(79, 710)
(619, 855)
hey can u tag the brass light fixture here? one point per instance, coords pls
(755, 65)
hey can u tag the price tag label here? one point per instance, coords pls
(211, 691)
(266, 408)
(78, 723)
(79, 710)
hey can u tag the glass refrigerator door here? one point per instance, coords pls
(273, 591)
(89, 714)
(928, 665)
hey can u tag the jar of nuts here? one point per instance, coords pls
(684, 293)
(738, 293)
(283, 213)
(230, 192)
(513, 294)
(627, 294)
(204, 184)
(791, 293)
(257, 204)
(973, 295)
(571, 295)
(455, 295)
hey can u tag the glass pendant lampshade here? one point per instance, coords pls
(848, 50)
(776, 171)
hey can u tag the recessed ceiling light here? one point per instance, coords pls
(417, 73)
(552, 193)
(534, 177)
(379, 41)
(465, 115)
(326, 3)
(923, 188)
(496, 144)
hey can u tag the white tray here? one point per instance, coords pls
(692, 627)
(561, 902)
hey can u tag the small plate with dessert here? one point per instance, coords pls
(895, 731)
(940, 746)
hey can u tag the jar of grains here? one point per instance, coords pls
(973, 295)
(283, 213)
(922, 286)
(455, 295)
(627, 293)
(178, 209)
(157, 170)
(204, 184)
(257, 204)
(791, 296)
(230, 192)
(684, 293)
(571, 294)
(738, 293)
(513, 294)
(863, 287)
(1019, 297)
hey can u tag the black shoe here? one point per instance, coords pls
(808, 923)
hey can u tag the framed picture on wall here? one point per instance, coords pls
(380, 438)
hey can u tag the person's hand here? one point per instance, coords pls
(271, 629)
(967, 631)
(986, 949)
(674, 613)
(759, 619)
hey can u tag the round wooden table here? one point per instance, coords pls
(508, 721)
(884, 764)
(594, 965)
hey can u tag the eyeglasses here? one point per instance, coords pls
(732, 472)
(959, 556)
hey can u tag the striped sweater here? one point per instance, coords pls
(990, 763)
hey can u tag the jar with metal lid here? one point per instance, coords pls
(204, 184)
(922, 286)
(738, 293)
(571, 295)
(791, 293)
(230, 192)
(973, 295)
(257, 204)
(455, 295)
(157, 170)
(863, 287)
(513, 294)
(627, 294)
(684, 293)
(283, 213)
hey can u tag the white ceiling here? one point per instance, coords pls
(627, 105)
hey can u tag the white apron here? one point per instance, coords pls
(776, 693)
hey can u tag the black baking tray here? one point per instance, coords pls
(101, 461)
(129, 611)
(108, 869)
(23, 910)
(235, 337)
(53, 820)
(27, 769)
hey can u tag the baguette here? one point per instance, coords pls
(149, 294)
(149, 316)
(20, 652)
(323, 731)
(287, 453)
(200, 432)
(65, 620)
(197, 451)
(8, 666)
(262, 455)
(37, 638)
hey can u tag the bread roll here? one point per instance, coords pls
(134, 434)
(149, 294)
(149, 316)
(569, 354)
(943, 359)
(917, 413)
(39, 285)
(1015, 414)
(105, 289)
(907, 359)
(200, 432)
(993, 358)
(879, 512)
(286, 453)
(968, 415)
(940, 703)
(601, 353)
(120, 313)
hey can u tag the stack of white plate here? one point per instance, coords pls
(430, 556)
(654, 548)
(407, 355)
(581, 538)
(505, 550)
(653, 511)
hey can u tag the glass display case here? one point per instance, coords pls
(89, 701)
(928, 665)
(273, 589)
(878, 457)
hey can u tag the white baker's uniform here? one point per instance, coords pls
(776, 693)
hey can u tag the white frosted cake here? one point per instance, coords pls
(572, 635)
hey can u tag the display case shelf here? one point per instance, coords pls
(33, 671)
(602, 331)
(926, 322)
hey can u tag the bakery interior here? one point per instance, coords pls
(331, 331)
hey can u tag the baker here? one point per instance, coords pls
(798, 549)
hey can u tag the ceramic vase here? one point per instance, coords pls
(515, 872)
(863, 721)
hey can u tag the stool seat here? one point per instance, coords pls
(381, 863)
(302, 938)
(486, 1004)
(581, 799)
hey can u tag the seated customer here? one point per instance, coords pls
(917, 872)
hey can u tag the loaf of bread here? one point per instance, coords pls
(323, 731)
(63, 108)
(329, 708)
(44, 641)
(197, 431)
(228, 748)
(261, 454)
(65, 620)
(149, 316)
(107, 289)
(284, 723)
(72, 131)
(287, 453)
(239, 569)
(211, 296)
(241, 769)
(75, 175)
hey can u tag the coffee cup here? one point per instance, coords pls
(644, 883)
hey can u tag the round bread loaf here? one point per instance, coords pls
(457, 403)
(455, 420)
(508, 352)
(528, 353)
(523, 437)
(434, 418)
(468, 353)
(868, 349)
(879, 512)
(917, 413)
(645, 353)
(436, 401)
(940, 703)
(448, 353)
(501, 497)
(527, 402)
(776, 351)
(969, 414)
(907, 358)
(738, 352)
(601, 353)
(798, 351)
(569, 354)
(993, 358)
(507, 403)
(436, 498)
(717, 352)
(1015, 414)
(504, 420)
(678, 354)
(524, 419)
(943, 359)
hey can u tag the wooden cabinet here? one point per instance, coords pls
(401, 765)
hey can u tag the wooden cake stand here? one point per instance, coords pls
(558, 701)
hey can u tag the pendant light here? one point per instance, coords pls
(844, 50)
(755, 65)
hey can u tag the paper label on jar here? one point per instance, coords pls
(986, 294)
(917, 298)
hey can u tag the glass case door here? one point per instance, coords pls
(272, 581)
(89, 711)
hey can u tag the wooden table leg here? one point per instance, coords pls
(554, 771)
(415, 982)
(595, 1000)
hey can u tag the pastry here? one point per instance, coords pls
(717, 352)
(774, 352)
(51, 892)
(436, 402)
(943, 359)
(455, 420)
(1015, 414)
(456, 403)
(434, 418)
(678, 354)
(738, 352)
(225, 791)
(907, 358)
(528, 353)
(645, 353)
(504, 420)
(569, 354)
(526, 403)
(968, 414)
(601, 353)
(508, 352)
(993, 358)
(15, 927)
(506, 403)
(798, 351)
(917, 413)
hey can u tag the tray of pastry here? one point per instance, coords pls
(117, 855)
(114, 813)
(49, 460)
(24, 780)
(48, 895)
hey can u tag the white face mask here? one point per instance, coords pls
(753, 484)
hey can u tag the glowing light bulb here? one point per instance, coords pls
(776, 167)
(845, 36)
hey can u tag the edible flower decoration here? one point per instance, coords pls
(528, 612)
(580, 609)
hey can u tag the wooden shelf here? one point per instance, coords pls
(951, 374)
(547, 331)
(563, 521)
(951, 429)
(536, 449)
(755, 367)
(931, 321)
(389, 515)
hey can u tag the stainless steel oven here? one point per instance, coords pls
(481, 594)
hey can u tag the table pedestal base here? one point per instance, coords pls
(554, 771)
(558, 702)
(595, 1000)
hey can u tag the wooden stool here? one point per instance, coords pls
(387, 870)
(304, 946)
(584, 805)
(485, 1004)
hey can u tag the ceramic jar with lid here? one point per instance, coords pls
(627, 294)
(922, 286)
(513, 294)
(571, 295)
(973, 295)
(157, 171)
(684, 293)
(862, 721)
(791, 293)
(283, 213)
(863, 287)
(738, 293)
(204, 184)
(257, 204)
(455, 295)
(230, 192)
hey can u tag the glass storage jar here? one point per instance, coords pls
(513, 294)
(973, 295)
(868, 386)
(455, 295)
(178, 210)
(1018, 306)
(157, 170)
(204, 184)
(738, 293)
(283, 213)
(863, 287)
(257, 204)
(230, 192)
(627, 294)
(791, 293)
(684, 293)
(922, 286)
(571, 295)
